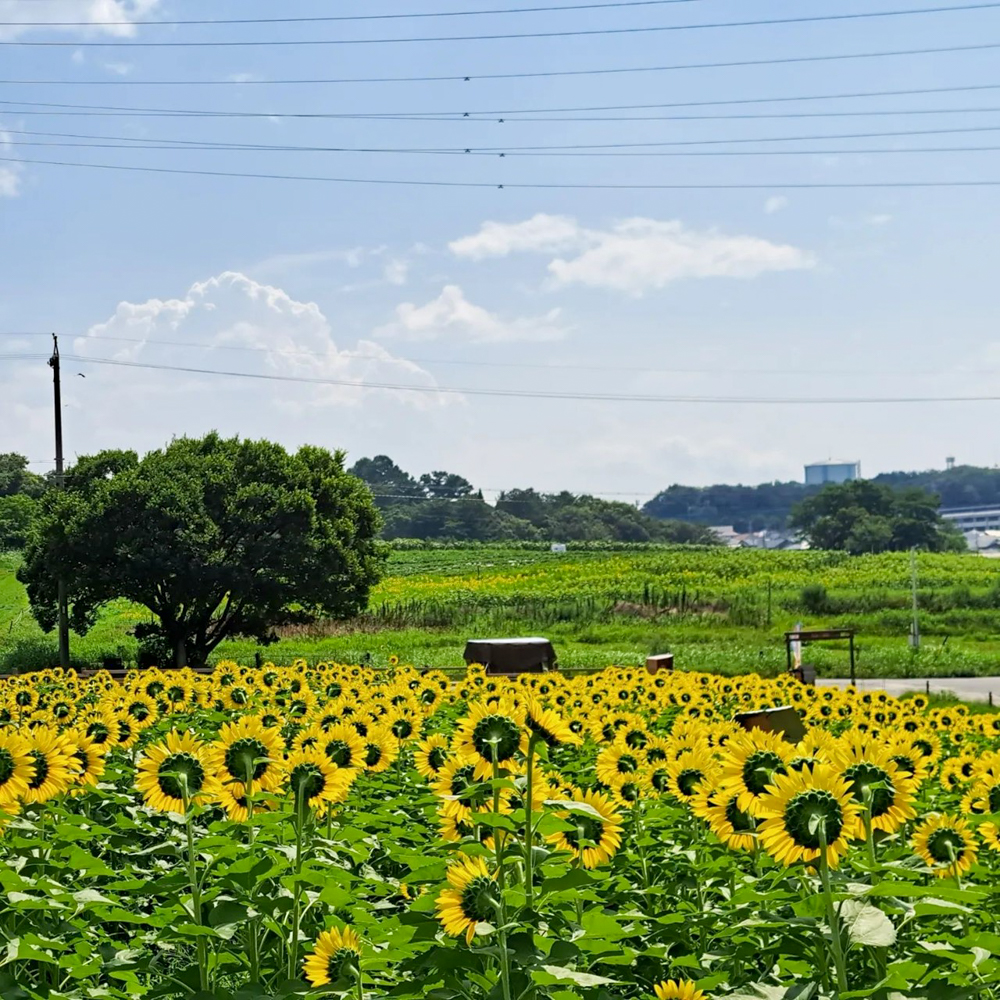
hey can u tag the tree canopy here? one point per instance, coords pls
(864, 516)
(447, 507)
(216, 537)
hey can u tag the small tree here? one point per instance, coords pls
(216, 537)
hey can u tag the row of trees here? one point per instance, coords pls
(769, 505)
(20, 490)
(444, 505)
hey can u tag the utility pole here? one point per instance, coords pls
(60, 484)
(915, 627)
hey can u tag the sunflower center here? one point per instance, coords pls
(477, 899)
(868, 779)
(496, 738)
(178, 770)
(6, 765)
(660, 779)
(688, 780)
(461, 782)
(993, 797)
(904, 763)
(23, 699)
(629, 791)
(807, 811)
(339, 752)
(308, 781)
(402, 728)
(946, 846)
(98, 732)
(925, 748)
(627, 764)
(436, 758)
(759, 769)
(740, 821)
(587, 829)
(373, 754)
(338, 962)
(139, 710)
(539, 731)
(41, 769)
(246, 756)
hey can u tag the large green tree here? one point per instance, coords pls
(216, 537)
(864, 516)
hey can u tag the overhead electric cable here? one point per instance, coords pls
(508, 36)
(538, 394)
(521, 75)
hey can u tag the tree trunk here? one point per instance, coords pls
(180, 652)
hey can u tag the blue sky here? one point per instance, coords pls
(773, 291)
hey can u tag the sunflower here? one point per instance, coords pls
(176, 773)
(336, 954)
(142, 709)
(431, 755)
(17, 768)
(492, 735)
(50, 753)
(946, 844)
(236, 804)
(870, 773)
(678, 989)
(315, 781)
(594, 839)
(381, 749)
(750, 764)
(627, 789)
(793, 808)
(547, 725)
(471, 900)
(462, 793)
(87, 760)
(248, 748)
(731, 824)
(684, 776)
(403, 723)
(989, 833)
(343, 746)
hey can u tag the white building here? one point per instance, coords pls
(832, 472)
(984, 518)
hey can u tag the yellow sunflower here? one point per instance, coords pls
(720, 808)
(431, 755)
(343, 746)
(248, 748)
(946, 844)
(17, 767)
(175, 773)
(678, 989)
(872, 775)
(381, 749)
(794, 806)
(686, 775)
(548, 726)
(52, 773)
(461, 792)
(595, 835)
(750, 764)
(87, 760)
(617, 761)
(314, 781)
(489, 735)
(335, 955)
(471, 900)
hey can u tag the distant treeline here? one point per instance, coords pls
(446, 506)
(751, 508)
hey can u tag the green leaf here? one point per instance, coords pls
(557, 974)
(866, 924)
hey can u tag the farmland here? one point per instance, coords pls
(340, 831)
(718, 610)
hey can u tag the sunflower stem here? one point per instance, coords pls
(192, 868)
(252, 953)
(501, 881)
(293, 943)
(831, 913)
(529, 833)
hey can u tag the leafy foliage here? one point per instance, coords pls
(215, 537)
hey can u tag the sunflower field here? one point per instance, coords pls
(347, 831)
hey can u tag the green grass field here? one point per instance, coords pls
(715, 609)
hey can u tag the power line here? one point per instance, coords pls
(522, 186)
(556, 366)
(509, 36)
(538, 114)
(620, 4)
(540, 394)
(523, 75)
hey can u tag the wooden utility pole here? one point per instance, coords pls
(60, 484)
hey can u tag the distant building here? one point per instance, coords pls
(986, 543)
(983, 518)
(832, 472)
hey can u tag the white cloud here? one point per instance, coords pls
(635, 254)
(542, 233)
(119, 68)
(775, 204)
(107, 17)
(452, 314)
(239, 324)
(396, 272)
(10, 173)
